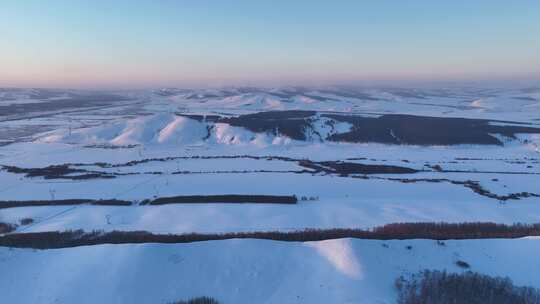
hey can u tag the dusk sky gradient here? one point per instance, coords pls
(131, 44)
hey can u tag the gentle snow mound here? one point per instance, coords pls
(164, 129)
(146, 130)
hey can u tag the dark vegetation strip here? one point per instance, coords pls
(478, 189)
(236, 172)
(171, 158)
(292, 123)
(386, 129)
(64, 171)
(227, 198)
(424, 130)
(473, 185)
(73, 171)
(7, 228)
(303, 162)
(399, 231)
(199, 300)
(191, 199)
(440, 287)
(346, 168)
(64, 202)
(339, 167)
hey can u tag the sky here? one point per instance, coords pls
(139, 43)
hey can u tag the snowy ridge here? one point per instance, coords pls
(251, 271)
(281, 127)
(163, 129)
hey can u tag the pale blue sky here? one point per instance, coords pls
(123, 43)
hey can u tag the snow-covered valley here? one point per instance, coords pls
(353, 158)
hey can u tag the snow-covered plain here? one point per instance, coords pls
(171, 142)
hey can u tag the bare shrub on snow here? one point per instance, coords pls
(440, 287)
(199, 300)
(6, 228)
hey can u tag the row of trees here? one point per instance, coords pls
(199, 300)
(63, 202)
(440, 287)
(224, 198)
(435, 231)
(6, 228)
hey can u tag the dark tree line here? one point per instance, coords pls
(6, 228)
(440, 287)
(400, 231)
(63, 202)
(224, 198)
(181, 199)
(199, 300)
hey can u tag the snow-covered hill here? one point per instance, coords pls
(250, 271)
